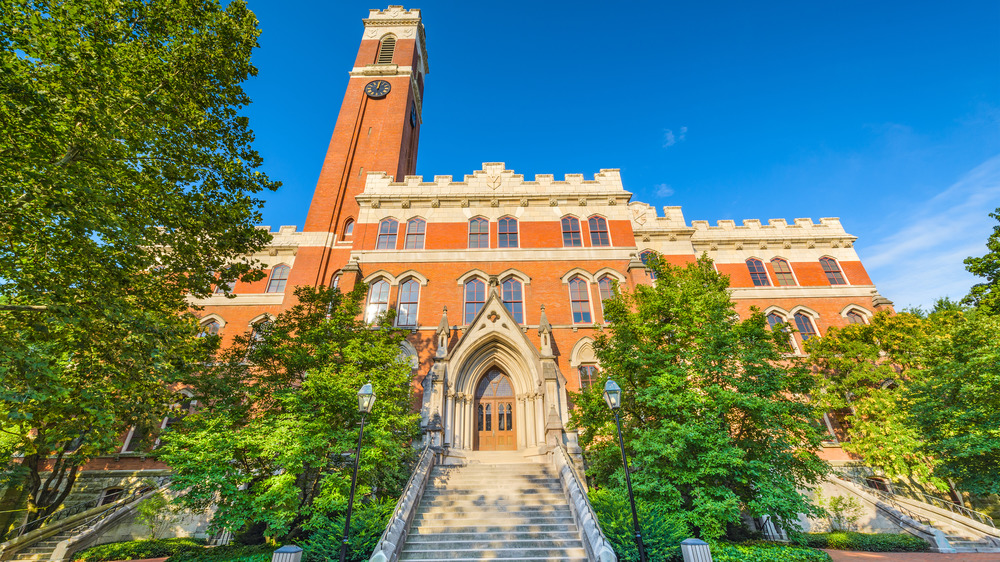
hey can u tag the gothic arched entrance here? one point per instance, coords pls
(495, 413)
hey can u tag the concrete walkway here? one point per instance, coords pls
(846, 556)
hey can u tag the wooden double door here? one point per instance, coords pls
(495, 413)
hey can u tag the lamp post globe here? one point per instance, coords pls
(366, 399)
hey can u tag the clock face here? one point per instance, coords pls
(377, 89)
(413, 116)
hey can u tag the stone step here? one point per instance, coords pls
(518, 517)
(497, 501)
(478, 558)
(442, 537)
(437, 528)
(507, 509)
(473, 544)
(497, 554)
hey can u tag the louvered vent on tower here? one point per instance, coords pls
(385, 50)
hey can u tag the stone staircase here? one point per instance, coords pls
(492, 511)
(42, 550)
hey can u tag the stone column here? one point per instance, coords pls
(521, 441)
(449, 418)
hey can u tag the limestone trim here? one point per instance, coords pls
(411, 274)
(380, 274)
(473, 273)
(864, 312)
(265, 317)
(213, 316)
(252, 299)
(610, 272)
(583, 353)
(777, 309)
(802, 292)
(578, 272)
(804, 310)
(516, 274)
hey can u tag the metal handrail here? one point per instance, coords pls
(397, 515)
(946, 504)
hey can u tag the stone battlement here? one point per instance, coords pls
(832, 224)
(392, 13)
(494, 178)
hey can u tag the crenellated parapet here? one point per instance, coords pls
(495, 186)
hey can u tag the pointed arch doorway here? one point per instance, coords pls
(495, 413)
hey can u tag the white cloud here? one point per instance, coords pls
(664, 190)
(670, 139)
(923, 261)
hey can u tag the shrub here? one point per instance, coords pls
(136, 550)
(229, 553)
(368, 520)
(662, 533)
(766, 552)
(868, 542)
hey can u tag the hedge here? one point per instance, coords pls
(765, 552)
(137, 550)
(868, 542)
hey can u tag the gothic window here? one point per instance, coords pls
(385, 50)
(507, 233)
(588, 376)
(513, 300)
(210, 328)
(571, 232)
(645, 257)
(855, 317)
(409, 293)
(378, 300)
(222, 288)
(387, 230)
(805, 326)
(606, 288)
(479, 233)
(579, 299)
(757, 273)
(475, 297)
(279, 276)
(773, 319)
(349, 228)
(598, 231)
(335, 281)
(832, 271)
(415, 234)
(783, 272)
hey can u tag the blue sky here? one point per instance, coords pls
(885, 114)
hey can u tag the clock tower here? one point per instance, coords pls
(377, 131)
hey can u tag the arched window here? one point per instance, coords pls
(409, 293)
(222, 288)
(507, 233)
(571, 233)
(258, 330)
(349, 228)
(387, 230)
(479, 233)
(335, 281)
(805, 326)
(475, 297)
(385, 50)
(774, 320)
(513, 300)
(111, 495)
(757, 273)
(579, 299)
(782, 272)
(606, 287)
(378, 300)
(415, 234)
(645, 257)
(588, 375)
(598, 231)
(855, 317)
(832, 271)
(279, 276)
(210, 328)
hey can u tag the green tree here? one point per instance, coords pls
(864, 369)
(955, 403)
(986, 295)
(272, 440)
(127, 185)
(716, 421)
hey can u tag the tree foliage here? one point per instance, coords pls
(955, 404)
(716, 421)
(127, 184)
(986, 295)
(272, 440)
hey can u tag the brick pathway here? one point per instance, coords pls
(845, 556)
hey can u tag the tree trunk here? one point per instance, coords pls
(44, 497)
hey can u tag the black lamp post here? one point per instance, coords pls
(366, 398)
(613, 396)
